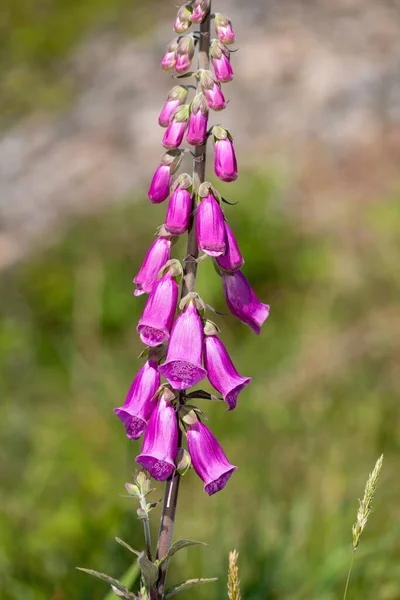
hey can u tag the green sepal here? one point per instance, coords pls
(190, 417)
(114, 583)
(174, 267)
(183, 461)
(210, 328)
(179, 545)
(186, 585)
(203, 395)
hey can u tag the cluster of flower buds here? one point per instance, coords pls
(186, 349)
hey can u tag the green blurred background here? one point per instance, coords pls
(322, 407)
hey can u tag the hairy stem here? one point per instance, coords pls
(188, 285)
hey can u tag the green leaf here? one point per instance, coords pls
(127, 579)
(187, 585)
(127, 546)
(149, 570)
(179, 545)
(124, 593)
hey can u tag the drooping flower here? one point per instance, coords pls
(169, 58)
(140, 402)
(220, 58)
(158, 254)
(176, 97)
(221, 370)
(232, 260)
(183, 366)
(210, 226)
(242, 301)
(208, 458)
(183, 21)
(197, 128)
(184, 54)
(225, 164)
(158, 314)
(176, 129)
(212, 90)
(161, 182)
(223, 27)
(179, 206)
(160, 443)
(200, 9)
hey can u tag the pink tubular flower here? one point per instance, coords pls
(232, 260)
(200, 9)
(223, 27)
(158, 315)
(221, 371)
(176, 97)
(197, 128)
(160, 443)
(183, 22)
(184, 54)
(225, 164)
(182, 367)
(208, 458)
(212, 90)
(210, 226)
(169, 58)
(242, 301)
(176, 129)
(220, 59)
(156, 257)
(139, 403)
(161, 182)
(179, 206)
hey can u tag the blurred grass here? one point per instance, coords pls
(323, 405)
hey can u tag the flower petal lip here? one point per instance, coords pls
(183, 365)
(208, 459)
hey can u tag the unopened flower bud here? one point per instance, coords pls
(160, 444)
(232, 260)
(220, 58)
(176, 129)
(208, 458)
(169, 58)
(225, 164)
(210, 226)
(161, 182)
(158, 314)
(183, 21)
(223, 27)
(197, 128)
(212, 90)
(179, 206)
(176, 97)
(183, 365)
(200, 10)
(242, 301)
(184, 54)
(158, 254)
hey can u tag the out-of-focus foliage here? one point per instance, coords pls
(322, 406)
(36, 36)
